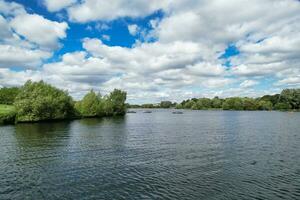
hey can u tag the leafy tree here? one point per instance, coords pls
(8, 95)
(233, 103)
(291, 97)
(179, 106)
(117, 98)
(166, 104)
(272, 98)
(282, 106)
(89, 105)
(216, 102)
(265, 105)
(189, 104)
(250, 104)
(205, 103)
(38, 101)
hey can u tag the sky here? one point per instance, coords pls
(155, 50)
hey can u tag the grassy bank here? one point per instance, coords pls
(7, 114)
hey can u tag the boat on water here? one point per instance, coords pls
(147, 111)
(177, 112)
(131, 111)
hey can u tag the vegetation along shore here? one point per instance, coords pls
(287, 100)
(39, 101)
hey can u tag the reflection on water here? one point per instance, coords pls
(197, 155)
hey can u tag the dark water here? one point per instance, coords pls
(159, 155)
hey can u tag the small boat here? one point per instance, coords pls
(177, 112)
(147, 111)
(131, 111)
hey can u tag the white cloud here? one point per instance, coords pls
(182, 61)
(92, 10)
(12, 56)
(56, 5)
(5, 31)
(11, 8)
(248, 83)
(133, 29)
(45, 33)
(26, 40)
(293, 81)
(207, 69)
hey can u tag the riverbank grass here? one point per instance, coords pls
(7, 114)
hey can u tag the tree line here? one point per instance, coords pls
(39, 101)
(288, 99)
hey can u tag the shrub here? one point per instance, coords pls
(39, 101)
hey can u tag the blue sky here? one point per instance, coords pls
(154, 50)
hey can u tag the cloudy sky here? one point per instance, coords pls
(155, 50)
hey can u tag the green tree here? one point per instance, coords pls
(166, 104)
(250, 104)
(205, 103)
(89, 106)
(216, 102)
(291, 97)
(233, 103)
(38, 101)
(117, 99)
(265, 105)
(179, 106)
(8, 95)
(189, 104)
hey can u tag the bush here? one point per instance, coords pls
(93, 105)
(117, 100)
(39, 101)
(233, 103)
(8, 95)
(89, 105)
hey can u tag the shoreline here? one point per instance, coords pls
(13, 121)
(7, 119)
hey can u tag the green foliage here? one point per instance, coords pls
(216, 102)
(166, 104)
(7, 114)
(116, 100)
(288, 99)
(233, 103)
(8, 95)
(250, 104)
(179, 106)
(39, 101)
(93, 105)
(265, 105)
(89, 105)
(291, 99)
(282, 106)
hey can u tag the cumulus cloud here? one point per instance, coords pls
(11, 8)
(185, 58)
(45, 33)
(12, 56)
(92, 10)
(133, 29)
(26, 40)
(248, 83)
(56, 5)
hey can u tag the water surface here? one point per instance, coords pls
(158, 155)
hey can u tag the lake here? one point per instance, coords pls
(158, 155)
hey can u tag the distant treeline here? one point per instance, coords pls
(163, 104)
(288, 99)
(39, 101)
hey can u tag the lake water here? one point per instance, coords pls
(158, 155)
